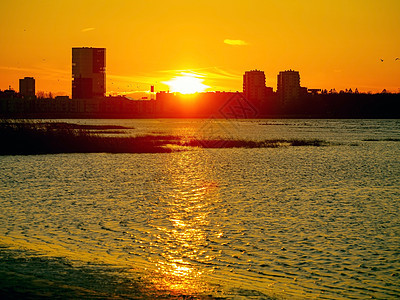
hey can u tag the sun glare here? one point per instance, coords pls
(186, 84)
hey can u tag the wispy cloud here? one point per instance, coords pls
(220, 79)
(219, 73)
(7, 68)
(129, 92)
(208, 72)
(137, 80)
(216, 77)
(44, 71)
(235, 42)
(88, 29)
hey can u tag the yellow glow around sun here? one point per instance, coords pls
(186, 84)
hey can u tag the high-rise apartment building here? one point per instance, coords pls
(27, 87)
(88, 73)
(254, 88)
(288, 86)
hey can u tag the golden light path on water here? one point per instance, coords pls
(291, 222)
(185, 238)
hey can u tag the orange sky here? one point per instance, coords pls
(333, 44)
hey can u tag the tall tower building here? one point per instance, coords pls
(27, 87)
(254, 88)
(288, 86)
(88, 73)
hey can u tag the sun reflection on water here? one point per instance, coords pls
(183, 236)
(178, 278)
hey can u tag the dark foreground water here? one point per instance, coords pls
(285, 222)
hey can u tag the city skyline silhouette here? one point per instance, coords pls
(333, 46)
(185, 83)
(175, 149)
(188, 99)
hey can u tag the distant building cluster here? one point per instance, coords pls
(88, 94)
(288, 89)
(89, 89)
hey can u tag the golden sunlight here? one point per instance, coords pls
(186, 84)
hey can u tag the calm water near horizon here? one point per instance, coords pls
(286, 222)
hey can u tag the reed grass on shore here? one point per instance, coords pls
(35, 137)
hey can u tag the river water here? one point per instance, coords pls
(271, 223)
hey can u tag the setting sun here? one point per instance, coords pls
(186, 84)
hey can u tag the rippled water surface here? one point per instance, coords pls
(286, 222)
